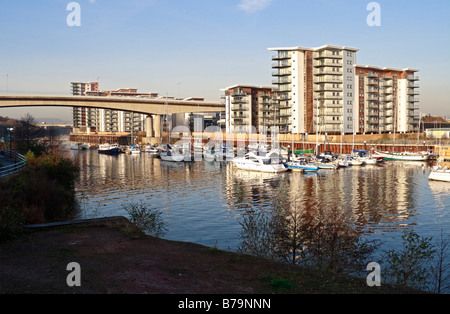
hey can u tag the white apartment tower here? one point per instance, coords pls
(315, 88)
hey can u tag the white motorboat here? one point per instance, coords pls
(355, 161)
(151, 149)
(269, 163)
(440, 173)
(168, 155)
(368, 160)
(133, 150)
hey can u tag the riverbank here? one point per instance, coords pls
(112, 262)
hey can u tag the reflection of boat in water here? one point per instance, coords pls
(109, 149)
(268, 163)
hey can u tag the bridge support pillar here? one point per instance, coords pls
(157, 125)
(149, 127)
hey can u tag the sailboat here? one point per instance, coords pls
(404, 156)
(300, 164)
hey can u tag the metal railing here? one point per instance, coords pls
(20, 162)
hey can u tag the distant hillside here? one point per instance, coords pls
(52, 120)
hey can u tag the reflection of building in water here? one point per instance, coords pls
(375, 195)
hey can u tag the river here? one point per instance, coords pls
(205, 202)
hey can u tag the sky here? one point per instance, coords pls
(195, 48)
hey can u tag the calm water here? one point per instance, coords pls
(204, 202)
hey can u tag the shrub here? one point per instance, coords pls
(145, 220)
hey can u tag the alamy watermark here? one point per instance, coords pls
(374, 277)
(74, 278)
(74, 17)
(374, 17)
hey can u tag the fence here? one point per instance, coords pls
(19, 162)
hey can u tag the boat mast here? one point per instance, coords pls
(317, 128)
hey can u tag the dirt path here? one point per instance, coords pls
(113, 263)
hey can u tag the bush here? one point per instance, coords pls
(145, 220)
(42, 192)
(408, 267)
(11, 222)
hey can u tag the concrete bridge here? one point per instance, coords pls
(153, 107)
(148, 106)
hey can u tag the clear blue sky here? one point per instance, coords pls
(196, 47)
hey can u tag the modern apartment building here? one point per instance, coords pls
(84, 117)
(315, 88)
(387, 100)
(91, 120)
(324, 89)
(249, 109)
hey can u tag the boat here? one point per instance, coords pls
(167, 153)
(369, 160)
(109, 149)
(342, 161)
(79, 146)
(270, 163)
(327, 166)
(224, 154)
(133, 150)
(151, 149)
(355, 161)
(405, 156)
(301, 166)
(440, 172)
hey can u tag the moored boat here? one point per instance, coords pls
(109, 149)
(405, 156)
(269, 163)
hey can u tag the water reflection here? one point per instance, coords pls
(206, 202)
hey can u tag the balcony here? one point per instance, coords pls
(282, 80)
(328, 54)
(243, 116)
(386, 91)
(282, 55)
(327, 63)
(388, 83)
(239, 100)
(283, 72)
(372, 82)
(239, 123)
(412, 91)
(387, 98)
(328, 79)
(282, 64)
(413, 99)
(332, 96)
(413, 85)
(413, 78)
(327, 87)
(372, 113)
(239, 108)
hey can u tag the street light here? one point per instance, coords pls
(11, 130)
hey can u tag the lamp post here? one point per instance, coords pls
(11, 130)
